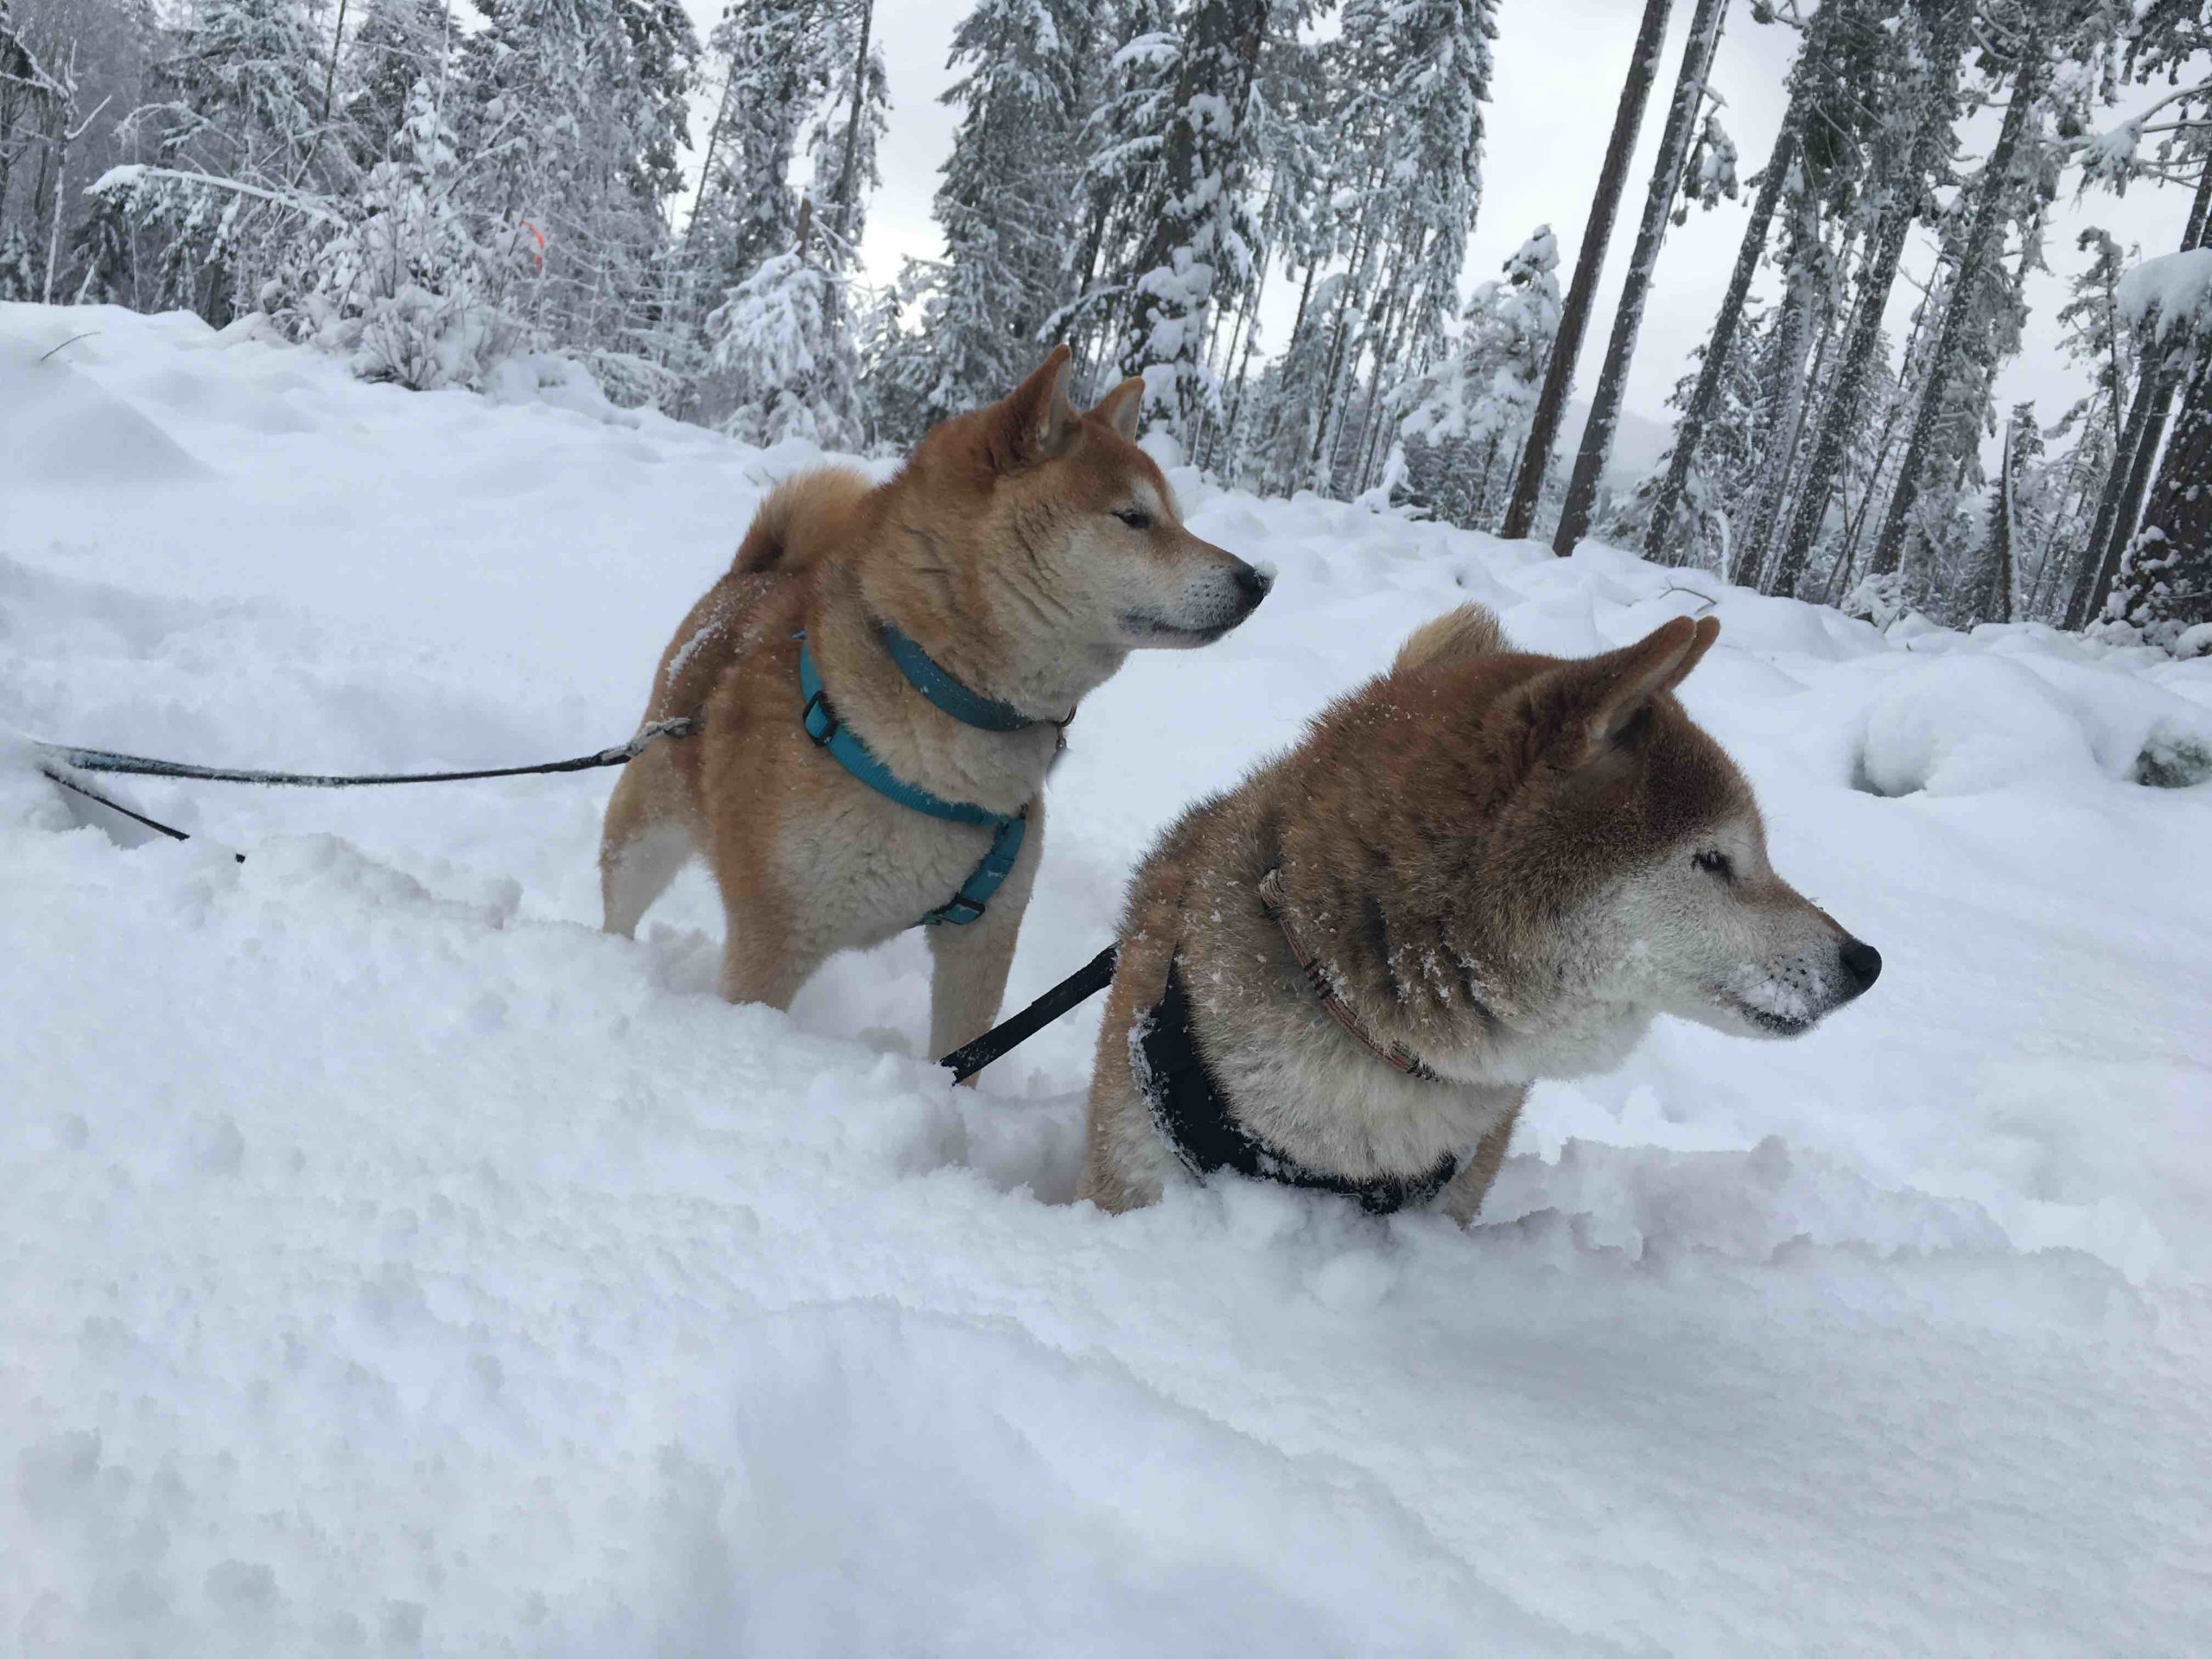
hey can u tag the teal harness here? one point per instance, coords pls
(819, 715)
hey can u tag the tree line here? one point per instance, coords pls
(445, 201)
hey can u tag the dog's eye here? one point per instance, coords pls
(1135, 517)
(1715, 863)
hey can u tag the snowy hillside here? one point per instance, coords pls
(395, 1264)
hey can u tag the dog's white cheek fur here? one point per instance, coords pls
(1692, 944)
(1104, 571)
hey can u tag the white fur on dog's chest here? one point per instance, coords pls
(1317, 1097)
(882, 869)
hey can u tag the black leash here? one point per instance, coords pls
(145, 767)
(154, 824)
(1077, 988)
(964, 1062)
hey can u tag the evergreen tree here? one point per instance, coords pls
(2163, 587)
(1468, 418)
(1199, 236)
(1123, 146)
(403, 292)
(235, 131)
(1424, 66)
(399, 43)
(1981, 322)
(782, 340)
(1006, 206)
(1916, 65)
(572, 112)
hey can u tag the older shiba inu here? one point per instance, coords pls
(881, 678)
(1484, 868)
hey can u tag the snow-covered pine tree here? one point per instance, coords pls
(402, 291)
(1198, 234)
(399, 43)
(783, 356)
(67, 69)
(848, 128)
(1425, 66)
(1701, 497)
(2161, 40)
(783, 342)
(774, 61)
(2095, 338)
(1910, 73)
(1006, 206)
(2010, 524)
(572, 114)
(237, 190)
(34, 102)
(1666, 537)
(1343, 232)
(1468, 417)
(1982, 319)
(2163, 587)
(2121, 500)
(1133, 78)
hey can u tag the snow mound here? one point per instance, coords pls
(1974, 724)
(60, 430)
(394, 1263)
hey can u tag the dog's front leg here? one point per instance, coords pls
(969, 963)
(764, 957)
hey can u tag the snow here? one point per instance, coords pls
(396, 1264)
(2171, 291)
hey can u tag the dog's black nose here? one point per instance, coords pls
(1253, 584)
(1862, 962)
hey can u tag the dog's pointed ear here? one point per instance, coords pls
(1598, 706)
(1120, 408)
(1034, 422)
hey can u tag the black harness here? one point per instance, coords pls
(1187, 1106)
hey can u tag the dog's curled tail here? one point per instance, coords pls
(803, 517)
(1455, 637)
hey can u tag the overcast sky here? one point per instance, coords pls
(1557, 75)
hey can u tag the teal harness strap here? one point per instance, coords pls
(969, 708)
(820, 719)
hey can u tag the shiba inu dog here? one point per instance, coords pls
(881, 678)
(1484, 868)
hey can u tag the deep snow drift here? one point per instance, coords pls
(393, 1263)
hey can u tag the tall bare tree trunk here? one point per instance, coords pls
(1996, 605)
(1689, 431)
(848, 185)
(1574, 320)
(1596, 444)
(2027, 81)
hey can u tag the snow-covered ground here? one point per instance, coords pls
(388, 1262)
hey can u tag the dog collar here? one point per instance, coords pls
(927, 675)
(1192, 1117)
(819, 718)
(1317, 979)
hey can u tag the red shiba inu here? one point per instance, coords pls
(1484, 868)
(881, 678)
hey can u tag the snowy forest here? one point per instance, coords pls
(442, 196)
